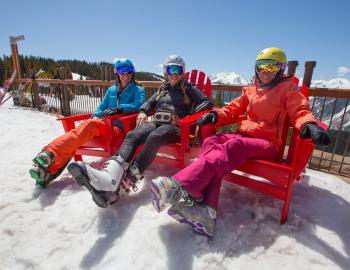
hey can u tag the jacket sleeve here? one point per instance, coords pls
(237, 107)
(298, 108)
(104, 104)
(138, 101)
(200, 100)
(150, 104)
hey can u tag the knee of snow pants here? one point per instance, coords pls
(65, 146)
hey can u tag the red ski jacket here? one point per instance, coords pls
(266, 110)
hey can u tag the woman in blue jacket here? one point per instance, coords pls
(126, 96)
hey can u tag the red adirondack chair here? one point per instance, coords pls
(179, 154)
(280, 174)
(100, 146)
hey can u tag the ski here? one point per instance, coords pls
(7, 86)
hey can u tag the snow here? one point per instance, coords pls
(61, 227)
(76, 76)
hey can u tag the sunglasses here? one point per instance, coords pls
(171, 70)
(268, 66)
(121, 70)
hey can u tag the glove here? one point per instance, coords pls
(114, 111)
(318, 135)
(208, 118)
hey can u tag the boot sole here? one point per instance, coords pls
(197, 226)
(34, 174)
(79, 175)
(156, 197)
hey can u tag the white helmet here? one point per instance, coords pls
(174, 60)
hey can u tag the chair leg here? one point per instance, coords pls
(287, 201)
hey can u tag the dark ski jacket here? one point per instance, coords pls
(171, 99)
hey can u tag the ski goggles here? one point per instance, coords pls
(268, 66)
(174, 69)
(122, 69)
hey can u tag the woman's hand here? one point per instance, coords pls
(141, 118)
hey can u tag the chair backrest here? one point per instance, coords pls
(199, 79)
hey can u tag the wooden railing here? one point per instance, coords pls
(71, 97)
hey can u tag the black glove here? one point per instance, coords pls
(317, 134)
(114, 111)
(208, 118)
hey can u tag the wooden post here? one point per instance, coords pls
(292, 66)
(102, 73)
(15, 60)
(309, 69)
(65, 96)
(15, 55)
(35, 94)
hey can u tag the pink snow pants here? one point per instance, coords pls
(220, 154)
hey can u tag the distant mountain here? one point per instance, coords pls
(228, 78)
(333, 83)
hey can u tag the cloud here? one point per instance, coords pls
(343, 71)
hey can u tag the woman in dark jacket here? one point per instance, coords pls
(174, 100)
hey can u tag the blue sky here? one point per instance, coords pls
(213, 36)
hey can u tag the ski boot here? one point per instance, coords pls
(41, 162)
(42, 176)
(44, 159)
(200, 216)
(166, 191)
(104, 185)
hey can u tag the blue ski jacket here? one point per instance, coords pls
(129, 100)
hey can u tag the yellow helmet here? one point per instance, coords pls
(272, 54)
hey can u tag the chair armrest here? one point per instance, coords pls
(69, 121)
(185, 127)
(75, 117)
(191, 119)
(322, 125)
(128, 120)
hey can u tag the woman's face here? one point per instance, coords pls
(174, 79)
(266, 77)
(125, 79)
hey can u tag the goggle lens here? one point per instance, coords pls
(124, 69)
(268, 66)
(171, 70)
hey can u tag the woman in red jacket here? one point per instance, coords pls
(193, 192)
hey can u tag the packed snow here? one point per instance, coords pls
(61, 228)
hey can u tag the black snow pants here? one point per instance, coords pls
(153, 137)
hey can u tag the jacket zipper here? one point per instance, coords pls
(251, 110)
